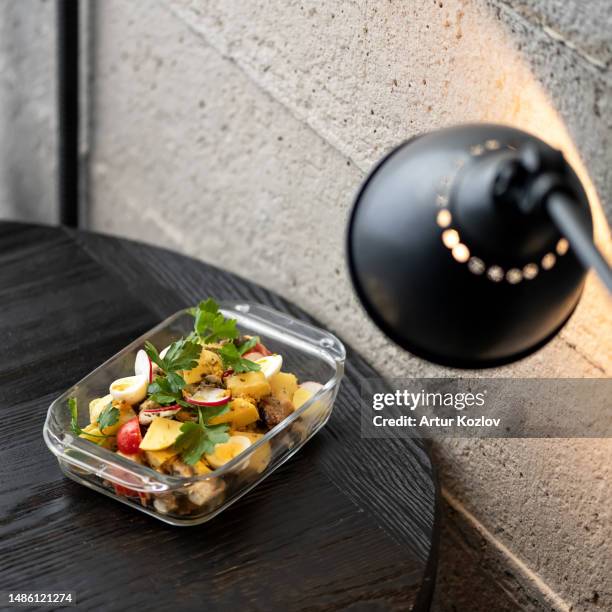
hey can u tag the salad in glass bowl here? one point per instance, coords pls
(191, 408)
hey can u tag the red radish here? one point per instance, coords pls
(173, 408)
(147, 415)
(310, 386)
(210, 396)
(143, 365)
(258, 348)
(253, 355)
(129, 437)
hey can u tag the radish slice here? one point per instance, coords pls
(311, 386)
(146, 416)
(270, 365)
(163, 352)
(143, 366)
(304, 392)
(210, 396)
(253, 355)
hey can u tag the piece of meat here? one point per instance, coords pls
(176, 467)
(200, 493)
(165, 503)
(186, 415)
(149, 405)
(273, 411)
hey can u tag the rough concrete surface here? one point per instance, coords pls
(239, 132)
(27, 111)
(472, 576)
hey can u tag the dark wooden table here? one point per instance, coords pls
(348, 523)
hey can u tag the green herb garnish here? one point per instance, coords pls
(248, 345)
(199, 438)
(74, 421)
(168, 390)
(210, 325)
(109, 416)
(232, 359)
(181, 355)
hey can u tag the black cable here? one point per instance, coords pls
(566, 216)
(68, 110)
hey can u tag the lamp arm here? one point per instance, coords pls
(564, 213)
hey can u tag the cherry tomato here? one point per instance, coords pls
(129, 437)
(124, 491)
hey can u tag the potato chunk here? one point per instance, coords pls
(201, 467)
(97, 405)
(248, 384)
(161, 434)
(157, 458)
(126, 413)
(208, 363)
(96, 436)
(241, 413)
(283, 386)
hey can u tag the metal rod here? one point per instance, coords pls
(68, 110)
(569, 221)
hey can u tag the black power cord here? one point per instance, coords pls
(564, 213)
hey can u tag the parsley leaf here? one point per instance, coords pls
(199, 438)
(210, 325)
(109, 416)
(192, 443)
(74, 421)
(248, 345)
(232, 359)
(74, 416)
(167, 390)
(181, 355)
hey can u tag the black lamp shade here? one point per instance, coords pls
(446, 270)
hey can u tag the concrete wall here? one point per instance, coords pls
(238, 133)
(263, 117)
(216, 119)
(27, 111)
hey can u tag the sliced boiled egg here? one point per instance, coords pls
(209, 396)
(131, 389)
(226, 451)
(143, 365)
(270, 365)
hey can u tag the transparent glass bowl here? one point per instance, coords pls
(309, 352)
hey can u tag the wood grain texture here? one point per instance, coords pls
(347, 523)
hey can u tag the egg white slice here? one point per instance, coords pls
(143, 365)
(224, 452)
(270, 365)
(131, 389)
